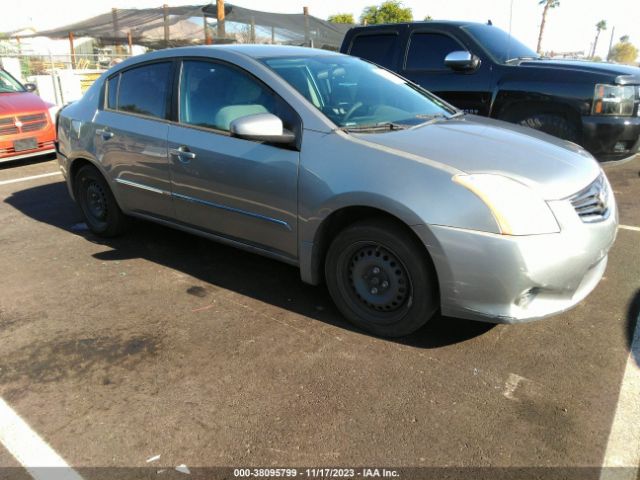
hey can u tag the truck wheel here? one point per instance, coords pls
(381, 279)
(100, 209)
(553, 124)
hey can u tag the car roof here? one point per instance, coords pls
(254, 52)
(432, 23)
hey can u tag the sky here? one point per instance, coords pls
(569, 28)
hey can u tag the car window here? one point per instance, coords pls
(112, 92)
(213, 95)
(428, 50)
(145, 90)
(500, 45)
(355, 93)
(8, 84)
(380, 48)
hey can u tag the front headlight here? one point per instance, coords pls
(517, 209)
(53, 111)
(613, 100)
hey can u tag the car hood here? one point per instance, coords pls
(631, 74)
(553, 167)
(20, 102)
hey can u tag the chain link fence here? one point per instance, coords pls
(60, 79)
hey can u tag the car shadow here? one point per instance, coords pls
(213, 264)
(7, 164)
(633, 326)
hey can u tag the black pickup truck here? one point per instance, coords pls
(485, 71)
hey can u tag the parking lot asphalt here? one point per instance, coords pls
(163, 343)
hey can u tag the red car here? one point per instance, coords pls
(27, 123)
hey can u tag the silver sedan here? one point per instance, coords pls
(399, 202)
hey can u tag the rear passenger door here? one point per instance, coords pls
(424, 65)
(240, 189)
(131, 137)
(383, 47)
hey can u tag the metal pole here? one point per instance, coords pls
(207, 39)
(165, 15)
(53, 80)
(273, 35)
(114, 20)
(253, 30)
(130, 42)
(220, 18)
(72, 51)
(305, 11)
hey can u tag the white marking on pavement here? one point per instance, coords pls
(32, 177)
(153, 459)
(629, 227)
(623, 447)
(511, 384)
(33, 453)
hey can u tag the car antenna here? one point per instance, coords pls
(489, 22)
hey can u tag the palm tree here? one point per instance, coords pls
(547, 5)
(601, 25)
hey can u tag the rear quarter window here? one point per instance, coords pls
(377, 48)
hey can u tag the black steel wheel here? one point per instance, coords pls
(381, 278)
(100, 209)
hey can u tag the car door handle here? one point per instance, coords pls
(104, 133)
(183, 154)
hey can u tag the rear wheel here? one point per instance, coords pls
(553, 124)
(381, 278)
(100, 209)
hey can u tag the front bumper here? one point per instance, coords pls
(611, 138)
(514, 279)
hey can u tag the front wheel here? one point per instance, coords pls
(381, 278)
(100, 209)
(553, 124)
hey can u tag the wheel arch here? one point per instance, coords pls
(313, 252)
(76, 164)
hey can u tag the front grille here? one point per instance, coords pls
(592, 203)
(32, 127)
(11, 130)
(38, 117)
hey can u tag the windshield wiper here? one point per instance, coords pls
(378, 127)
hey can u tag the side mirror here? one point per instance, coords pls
(261, 127)
(30, 87)
(461, 60)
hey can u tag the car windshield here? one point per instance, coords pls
(501, 46)
(359, 95)
(8, 84)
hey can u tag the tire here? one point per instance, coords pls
(553, 124)
(99, 206)
(381, 279)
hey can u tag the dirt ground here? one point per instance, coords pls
(163, 343)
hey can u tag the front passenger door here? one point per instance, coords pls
(424, 65)
(240, 189)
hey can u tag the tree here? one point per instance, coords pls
(547, 5)
(389, 11)
(624, 51)
(428, 18)
(601, 25)
(341, 18)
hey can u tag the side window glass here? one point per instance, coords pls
(378, 49)
(213, 95)
(112, 92)
(145, 90)
(428, 50)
